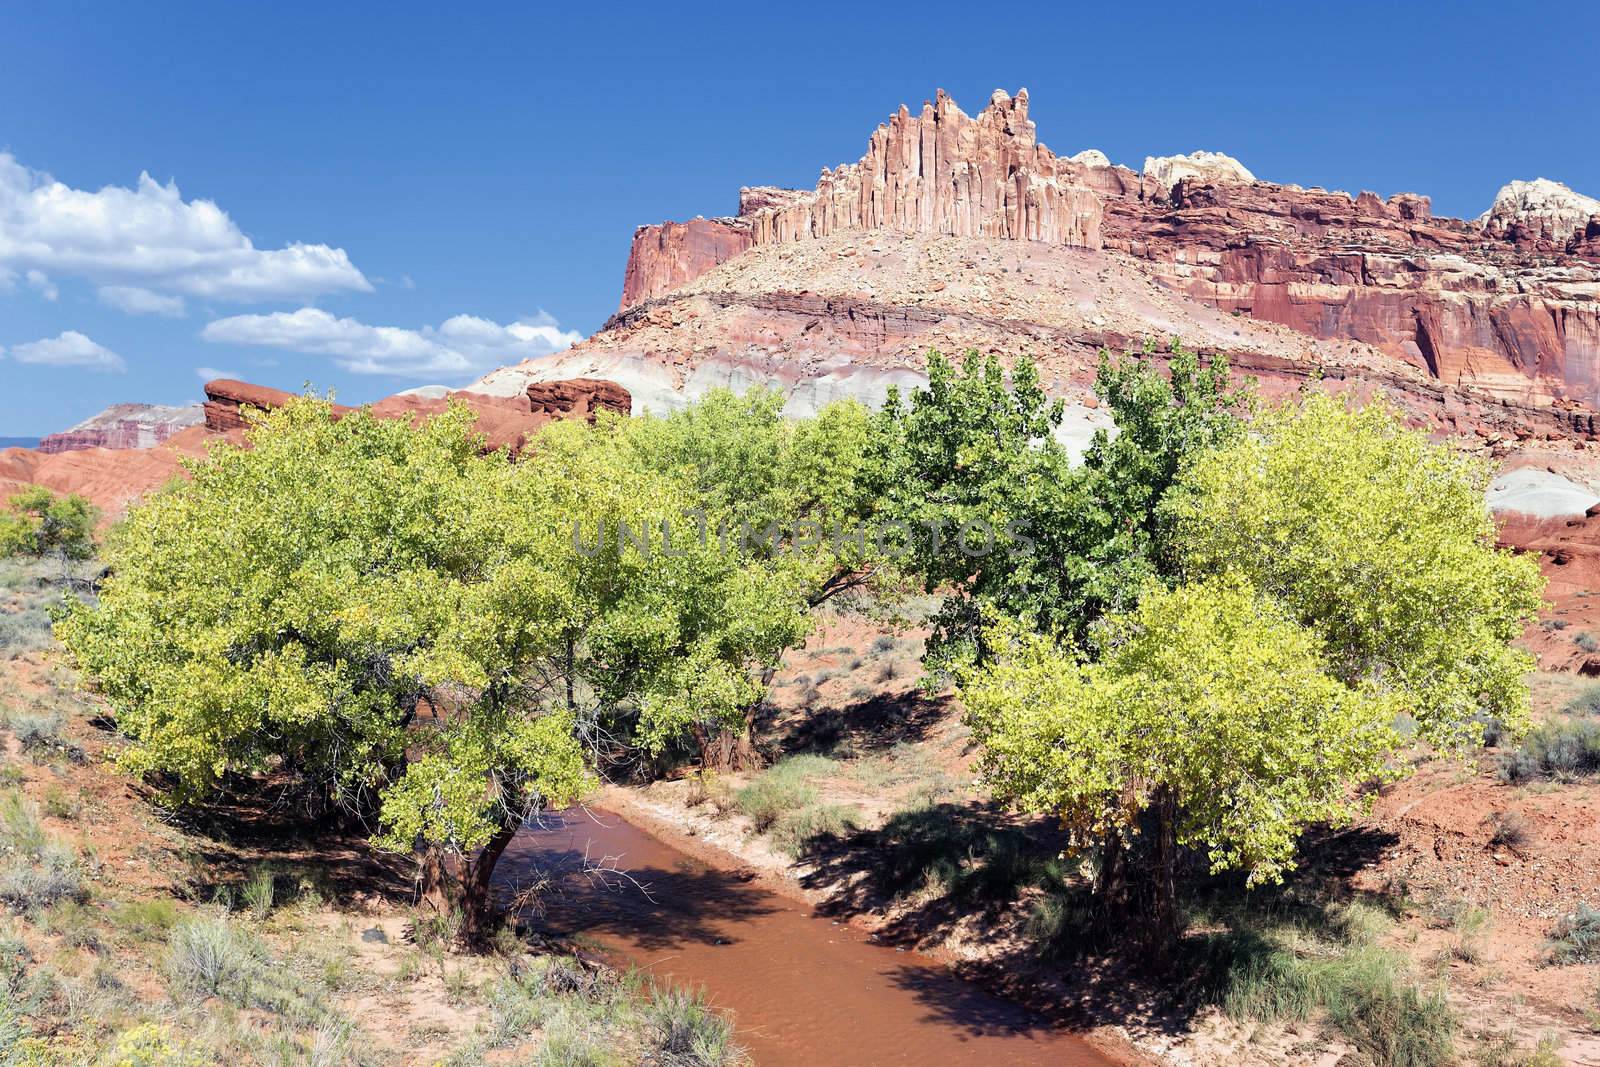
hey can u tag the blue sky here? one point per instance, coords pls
(470, 181)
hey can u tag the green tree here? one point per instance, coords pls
(1206, 706)
(975, 452)
(37, 522)
(1380, 542)
(413, 627)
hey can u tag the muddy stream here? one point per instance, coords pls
(805, 989)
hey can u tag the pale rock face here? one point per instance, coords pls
(1212, 167)
(1539, 493)
(1090, 157)
(1548, 209)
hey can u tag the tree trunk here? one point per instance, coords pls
(478, 911)
(1163, 906)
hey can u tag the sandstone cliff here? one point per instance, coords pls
(938, 171)
(1509, 304)
(124, 426)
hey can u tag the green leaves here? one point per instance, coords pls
(36, 522)
(1210, 692)
(1378, 541)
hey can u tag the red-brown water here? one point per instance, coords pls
(805, 990)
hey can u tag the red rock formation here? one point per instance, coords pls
(504, 421)
(939, 171)
(669, 255)
(124, 426)
(1510, 304)
(578, 398)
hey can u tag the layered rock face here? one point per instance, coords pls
(504, 421)
(1509, 304)
(1541, 212)
(938, 171)
(124, 426)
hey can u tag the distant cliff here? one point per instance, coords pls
(1509, 302)
(124, 426)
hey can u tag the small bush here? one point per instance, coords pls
(146, 919)
(686, 1031)
(1509, 830)
(781, 789)
(1586, 641)
(19, 826)
(1565, 749)
(888, 670)
(1575, 938)
(885, 643)
(206, 954)
(259, 891)
(59, 804)
(1586, 702)
(54, 876)
(797, 830)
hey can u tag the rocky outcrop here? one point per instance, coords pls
(504, 421)
(938, 171)
(1212, 168)
(1541, 212)
(578, 398)
(1510, 305)
(1439, 294)
(124, 426)
(675, 253)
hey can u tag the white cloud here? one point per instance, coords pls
(151, 236)
(41, 283)
(458, 348)
(70, 349)
(137, 301)
(211, 374)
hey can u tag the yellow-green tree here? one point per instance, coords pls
(413, 628)
(1206, 706)
(37, 522)
(1380, 542)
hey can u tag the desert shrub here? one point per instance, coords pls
(1509, 830)
(59, 804)
(25, 631)
(888, 670)
(796, 831)
(37, 872)
(1561, 749)
(1365, 992)
(150, 1045)
(207, 954)
(1393, 1021)
(1586, 641)
(885, 643)
(75, 923)
(861, 691)
(146, 919)
(1575, 938)
(1585, 702)
(258, 892)
(20, 831)
(781, 789)
(686, 1032)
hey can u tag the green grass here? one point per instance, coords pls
(1575, 938)
(781, 789)
(797, 831)
(1294, 972)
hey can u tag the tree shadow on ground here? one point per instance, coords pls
(929, 869)
(245, 829)
(875, 724)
